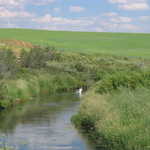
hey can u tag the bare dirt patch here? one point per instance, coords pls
(16, 43)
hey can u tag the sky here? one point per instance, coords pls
(77, 15)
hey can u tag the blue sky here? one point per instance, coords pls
(77, 15)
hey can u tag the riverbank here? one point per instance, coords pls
(41, 71)
(35, 73)
(115, 107)
(118, 120)
(114, 111)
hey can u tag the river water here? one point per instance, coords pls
(43, 125)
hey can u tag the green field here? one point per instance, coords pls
(122, 44)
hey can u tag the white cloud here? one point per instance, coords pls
(120, 27)
(135, 6)
(121, 19)
(129, 27)
(5, 13)
(128, 1)
(11, 3)
(41, 2)
(110, 14)
(63, 21)
(97, 24)
(118, 1)
(99, 29)
(14, 14)
(22, 3)
(60, 23)
(131, 4)
(76, 9)
(56, 9)
(114, 17)
(144, 18)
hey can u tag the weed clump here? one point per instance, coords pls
(126, 79)
(38, 57)
(8, 64)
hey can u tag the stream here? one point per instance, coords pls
(43, 125)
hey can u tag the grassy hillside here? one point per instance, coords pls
(123, 44)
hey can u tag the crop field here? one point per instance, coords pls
(120, 44)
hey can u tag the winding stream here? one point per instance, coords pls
(43, 125)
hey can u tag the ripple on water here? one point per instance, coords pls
(44, 127)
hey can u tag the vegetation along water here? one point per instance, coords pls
(114, 110)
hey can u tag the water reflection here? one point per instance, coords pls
(43, 125)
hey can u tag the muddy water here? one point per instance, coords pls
(43, 125)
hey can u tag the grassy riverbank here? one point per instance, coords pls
(38, 72)
(41, 71)
(118, 121)
(114, 113)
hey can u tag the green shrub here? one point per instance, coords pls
(8, 64)
(85, 122)
(127, 79)
(119, 120)
(38, 57)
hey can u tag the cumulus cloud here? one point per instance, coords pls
(110, 14)
(121, 19)
(21, 3)
(10, 2)
(13, 13)
(41, 2)
(6, 13)
(99, 29)
(135, 6)
(56, 9)
(144, 18)
(116, 18)
(131, 4)
(130, 27)
(128, 1)
(112, 23)
(76, 9)
(119, 27)
(62, 21)
(118, 1)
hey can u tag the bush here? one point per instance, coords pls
(38, 57)
(127, 79)
(8, 64)
(119, 121)
(85, 122)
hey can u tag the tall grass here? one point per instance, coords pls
(114, 112)
(119, 121)
(16, 91)
(44, 70)
(8, 64)
(126, 78)
(40, 71)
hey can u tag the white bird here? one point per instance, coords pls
(79, 91)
